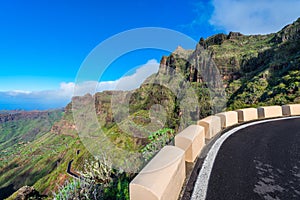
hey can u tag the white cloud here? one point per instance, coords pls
(16, 92)
(127, 82)
(60, 97)
(67, 87)
(254, 16)
(135, 80)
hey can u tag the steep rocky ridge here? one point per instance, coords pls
(253, 68)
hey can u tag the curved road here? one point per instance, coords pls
(261, 161)
(69, 170)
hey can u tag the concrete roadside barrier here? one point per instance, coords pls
(191, 140)
(228, 118)
(269, 112)
(291, 109)
(211, 124)
(162, 178)
(247, 114)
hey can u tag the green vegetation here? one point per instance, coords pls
(255, 70)
(274, 79)
(98, 181)
(157, 140)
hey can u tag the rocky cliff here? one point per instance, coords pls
(252, 68)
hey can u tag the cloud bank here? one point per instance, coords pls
(41, 100)
(254, 16)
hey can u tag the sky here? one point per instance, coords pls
(44, 43)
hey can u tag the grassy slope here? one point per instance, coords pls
(43, 161)
(268, 73)
(50, 154)
(261, 69)
(27, 149)
(273, 79)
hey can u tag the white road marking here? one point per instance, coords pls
(200, 188)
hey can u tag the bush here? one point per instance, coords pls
(99, 181)
(157, 140)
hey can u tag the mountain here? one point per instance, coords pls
(255, 70)
(223, 72)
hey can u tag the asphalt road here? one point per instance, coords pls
(259, 162)
(69, 170)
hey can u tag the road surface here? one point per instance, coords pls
(259, 162)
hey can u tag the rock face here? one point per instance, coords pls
(241, 59)
(216, 39)
(28, 192)
(196, 65)
(234, 35)
(236, 54)
(290, 32)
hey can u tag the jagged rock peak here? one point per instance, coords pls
(182, 53)
(233, 35)
(163, 60)
(179, 50)
(202, 43)
(217, 39)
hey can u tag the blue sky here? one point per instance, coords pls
(50, 38)
(43, 43)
